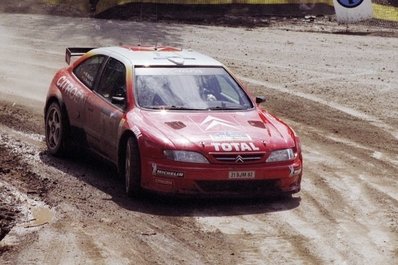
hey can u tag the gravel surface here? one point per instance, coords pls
(338, 91)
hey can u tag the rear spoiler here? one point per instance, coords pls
(75, 52)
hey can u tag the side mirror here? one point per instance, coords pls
(119, 101)
(260, 99)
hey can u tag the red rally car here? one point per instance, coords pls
(172, 121)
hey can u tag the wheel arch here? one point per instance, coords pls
(62, 106)
(122, 150)
(60, 149)
(59, 101)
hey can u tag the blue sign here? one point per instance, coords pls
(350, 3)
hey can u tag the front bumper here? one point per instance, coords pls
(167, 176)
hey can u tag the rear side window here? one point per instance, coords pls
(87, 70)
(113, 80)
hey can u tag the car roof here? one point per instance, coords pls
(159, 56)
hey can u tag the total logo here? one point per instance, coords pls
(236, 147)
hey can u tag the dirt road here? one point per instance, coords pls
(338, 91)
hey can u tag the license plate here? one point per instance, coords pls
(242, 174)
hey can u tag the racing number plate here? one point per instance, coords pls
(242, 174)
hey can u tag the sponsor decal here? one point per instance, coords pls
(137, 132)
(291, 168)
(235, 147)
(189, 71)
(70, 90)
(294, 171)
(88, 78)
(210, 122)
(230, 136)
(165, 173)
(164, 181)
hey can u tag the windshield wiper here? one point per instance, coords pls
(222, 105)
(226, 108)
(172, 107)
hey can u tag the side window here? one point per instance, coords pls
(87, 70)
(113, 81)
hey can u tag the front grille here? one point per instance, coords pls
(241, 186)
(238, 158)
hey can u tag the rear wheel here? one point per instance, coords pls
(56, 130)
(132, 168)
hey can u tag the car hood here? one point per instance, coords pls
(243, 131)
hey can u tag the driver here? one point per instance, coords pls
(211, 90)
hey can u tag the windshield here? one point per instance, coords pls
(189, 89)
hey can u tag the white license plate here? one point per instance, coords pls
(242, 174)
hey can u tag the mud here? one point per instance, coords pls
(338, 91)
(20, 118)
(8, 213)
(15, 173)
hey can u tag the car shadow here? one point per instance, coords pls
(99, 174)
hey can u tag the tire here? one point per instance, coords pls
(56, 130)
(132, 168)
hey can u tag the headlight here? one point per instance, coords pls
(281, 155)
(185, 156)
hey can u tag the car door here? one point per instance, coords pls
(106, 108)
(87, 73)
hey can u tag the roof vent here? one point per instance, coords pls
(176, 60)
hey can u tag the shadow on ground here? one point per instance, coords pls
(102, 176)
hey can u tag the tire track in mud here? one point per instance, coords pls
(87, 201)
(334, 237)
(339, 219)
(8, 211)
(346, 178)
(351, 112)
(22, 196)
(341, 173)
(346, 212)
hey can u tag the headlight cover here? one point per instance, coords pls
(185, 156)
(281, 155)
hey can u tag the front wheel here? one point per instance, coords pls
(132, 168)
(56, 130)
